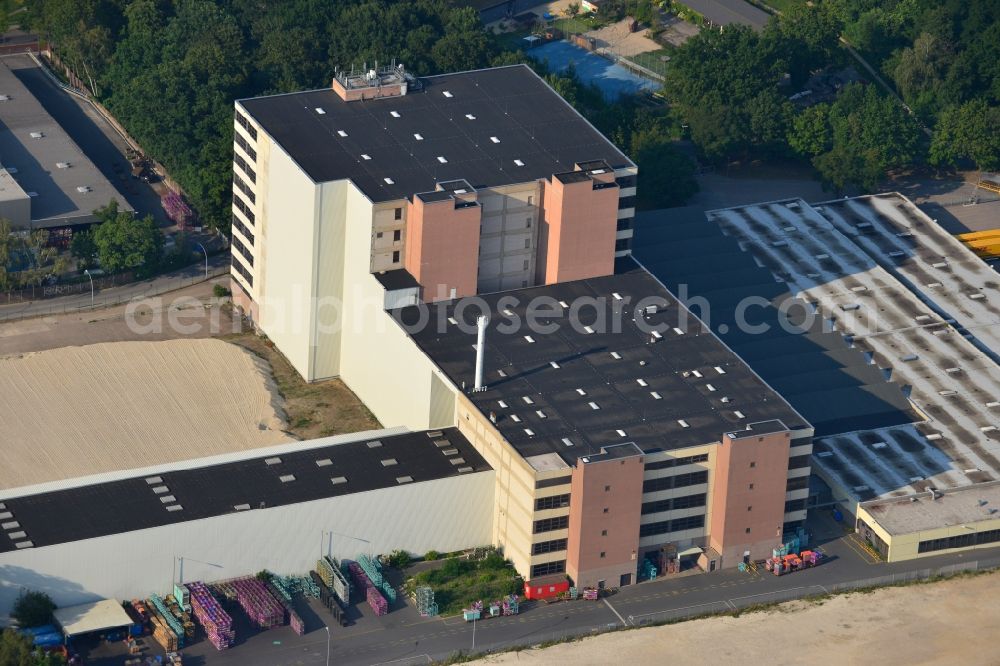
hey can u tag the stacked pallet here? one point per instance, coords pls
(172, 623)
(373, 569)
(217, 623)
(285, 599)
(260, 606)
(330, 573)
(327, 597)
(362, 582)
(377, 602)
(162, 634)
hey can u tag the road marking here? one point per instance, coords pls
(608, 604)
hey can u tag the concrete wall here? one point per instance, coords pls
(508, 238)
(445, 515)
(604, 521)
(442, 248)
(749, 494)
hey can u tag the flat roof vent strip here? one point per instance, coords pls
(241, 507)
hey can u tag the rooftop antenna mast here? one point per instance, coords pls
(481, 322)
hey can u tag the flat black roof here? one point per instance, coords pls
(699, 384)
(832, 385)
(138, 503)
(530, 121)
(397, 279)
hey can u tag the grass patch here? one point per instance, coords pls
(652, 60)
(320, 409)
(457, 583)
(579, 24)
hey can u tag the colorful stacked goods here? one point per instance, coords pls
(333, 578)
(329, 599)
(162, 634)
(377, 602)
(172, 623)
(260, 606)
(373, 569)
(361, 580)
(298, 626)
(510, 605)
(217, 623)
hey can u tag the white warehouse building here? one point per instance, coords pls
(216, 518)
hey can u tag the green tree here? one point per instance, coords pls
(666, 177)
(32, 608)
(83, 248)
(808, 37)
(126, 242)
(15, 649)
(970, 131)
(809, 134)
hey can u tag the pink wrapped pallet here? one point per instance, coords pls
(298, 626)
(260, 606)
(217, 623)
(377, 601)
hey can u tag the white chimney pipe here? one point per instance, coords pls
(481, 322)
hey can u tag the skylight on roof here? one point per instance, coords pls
(594, 406)
(656, 396)
(447, 93)
(394, 114)
(739, 414)
(515, 418)
(581, 391)
(341, 133)
(442, 159)
(519, 162)
(494, 139)
(365, 156)
(389, 181)
(642, 382)
(682, 423)
(272, 461)
(554, 364)
(541, 414)
(470, 116)
(529, 432)
(621, 433)
(502, 404)
(529, 338)
(418, 136)
(588, 329)
(320, 110)
(337, 480)
(719, 370)
(527, 399)
(404, 479)
(567, 441)
(325, 462)
(286, 478)
(616, 356)
(389, 462)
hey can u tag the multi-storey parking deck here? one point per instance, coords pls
(952, 382)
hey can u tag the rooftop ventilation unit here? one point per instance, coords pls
(83, 189)
(62, 165)
(37, 135)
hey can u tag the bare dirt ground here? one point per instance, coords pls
(314, 410)
(115, 406)
(194, 308)
(951, 622)
(616, 37)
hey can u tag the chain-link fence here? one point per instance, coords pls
(17, 312)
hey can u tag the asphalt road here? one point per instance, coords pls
(114, 295)
(403, 637)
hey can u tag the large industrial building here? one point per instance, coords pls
(473, 183)
(891, 354)
(46, 181)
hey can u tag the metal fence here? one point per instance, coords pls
(735, 604)
(16, 312)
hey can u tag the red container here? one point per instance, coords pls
(545, 588)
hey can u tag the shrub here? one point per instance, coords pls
(221, 291)
(431, 555)
(33, 609)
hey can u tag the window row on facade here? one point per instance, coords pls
(242, 121)
(685, 502)
(676, 481)
(676, 525)
(676, 462)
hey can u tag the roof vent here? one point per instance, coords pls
(502, 404)
(616, 356)
(286, 478)
(621, 433)
(529, 432)
(374, 444)
(4, 98)
(567, 441)
(447, 93)
(719, 370)
(337, 480)
(581, 391)
(456, 461)
(389, 462)
(594, 406)
(325, 462)
(242, 507)
(588, 329)
(642, 382)
(554, 364)
(153, 480)
(463, 470)
(404, 479)
(62, 165)
(37, 135)
(540, 413)
(739, 414)
(449, 452)
(159, 490)
(656, 396)
(528, 399)
(174, 507)
(515, 418)
(529, 338)
(83, 189)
